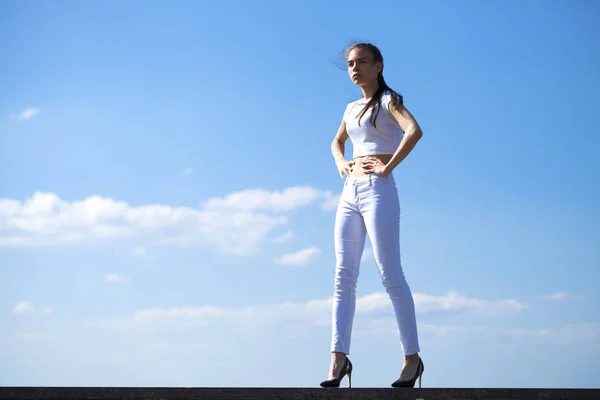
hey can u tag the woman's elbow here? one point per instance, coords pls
(416, 133)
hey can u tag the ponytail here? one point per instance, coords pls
(375, 101)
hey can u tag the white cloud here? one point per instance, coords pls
(187, 171)
(26, 114)
(312, 312)
(456, 301)
(114, 278)
(388, 326)
(316, 312)
(440, 330)
(298, 258)
(45, 220)
(331, 201)
(47, 310)
(284, 237)
(570, 334)
(367, 255)
(178, 312)
(23, 307)
(373, 302)
(577, 334)
(557, 296)
(259, 199)
(235, 224)
(139, 251)
(450, 302)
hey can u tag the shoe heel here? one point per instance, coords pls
(349, 370)
(411, 382)
(350, 379)
(346, 370)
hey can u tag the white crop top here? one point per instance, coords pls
(366, 139)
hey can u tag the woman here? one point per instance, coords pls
(383, 132)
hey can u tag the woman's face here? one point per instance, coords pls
(361, 68)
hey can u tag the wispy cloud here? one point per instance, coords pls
(440, 330)
(47, 310)
(26, 307)
(317, 312)
(580, 334)
(26, 114)
(330, 201)
(557, 296)
(452, 301)
(583, 334)
(259, 199)
(298, 258)
(313, 313)
(187, 171)
(139, 252)
(115, 278)
(23, 307)
(387, 326)
(457, 301)
(367, 254)
(284, 237)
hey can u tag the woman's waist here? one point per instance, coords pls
(358, 162)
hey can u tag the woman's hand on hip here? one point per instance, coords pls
(373, 165)
(344, 167)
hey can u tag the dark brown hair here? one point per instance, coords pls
(397, 99)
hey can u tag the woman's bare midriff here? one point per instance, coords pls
(357, 169)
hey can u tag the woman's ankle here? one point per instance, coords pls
(412, 358)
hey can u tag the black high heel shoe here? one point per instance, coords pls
(346, 370)
(411, 382)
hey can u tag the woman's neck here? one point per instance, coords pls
(369, 90)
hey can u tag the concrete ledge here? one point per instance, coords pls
(223, 393)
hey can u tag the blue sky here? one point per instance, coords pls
(167, 192)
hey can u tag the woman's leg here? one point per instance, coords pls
(349, 236)
(381, 211)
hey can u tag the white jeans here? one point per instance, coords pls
(369, 205)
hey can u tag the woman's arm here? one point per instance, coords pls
(338, 148)
(412, 134)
